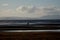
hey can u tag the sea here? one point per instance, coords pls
(28, 22)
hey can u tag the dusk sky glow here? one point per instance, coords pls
(29, 8)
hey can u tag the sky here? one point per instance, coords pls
(29, 8)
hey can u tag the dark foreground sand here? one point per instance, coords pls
(29, 35)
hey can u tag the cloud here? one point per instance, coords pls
(35, 11)
(5, 4)
(30, 11)
(25, 9)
